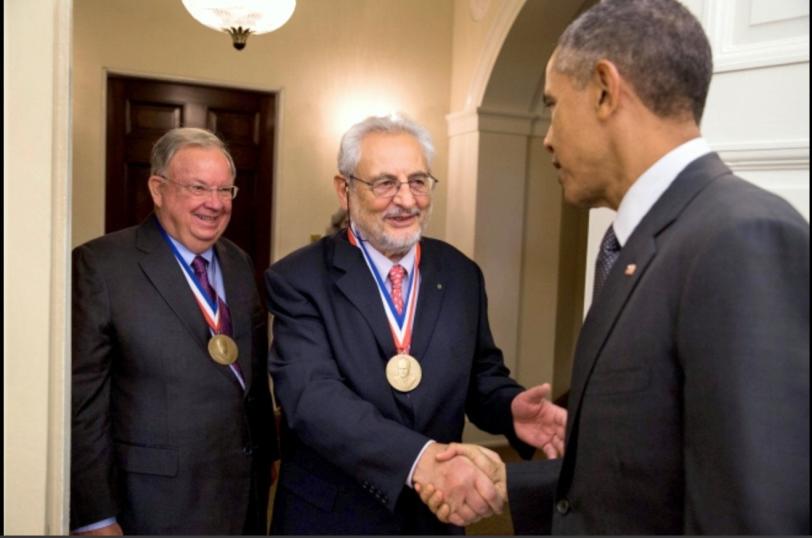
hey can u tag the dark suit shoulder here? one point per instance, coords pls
(110, 243)
(732, 197)
(446, 250)
(731, 208)
(227, 247)
(306, 260)
(449, 258)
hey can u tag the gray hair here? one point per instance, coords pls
(349, 152)
(657, 45)
(182, 137)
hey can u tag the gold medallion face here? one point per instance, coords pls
(403, 372)
(223, 349)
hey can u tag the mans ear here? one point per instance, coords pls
(154, 184)
(342, 190)
(607, 88)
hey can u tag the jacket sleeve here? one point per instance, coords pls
(743, 341)
(531, 494)
(92, 491)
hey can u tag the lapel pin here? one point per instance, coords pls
(630, 269)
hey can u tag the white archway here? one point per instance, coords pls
(507, 211)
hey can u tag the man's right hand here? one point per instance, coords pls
(467, 491)
(110, 530)
(461, 483)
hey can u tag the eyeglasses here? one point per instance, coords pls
(388, 186)
(199, 191)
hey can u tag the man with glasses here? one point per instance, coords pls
(172, 422)
(381, 347)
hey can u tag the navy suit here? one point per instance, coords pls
(351, 439)
(689, 402)
(162, 436)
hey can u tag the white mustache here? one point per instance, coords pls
(414, 212)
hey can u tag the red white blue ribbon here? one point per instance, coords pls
(399, 323)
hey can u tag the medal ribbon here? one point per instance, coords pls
(208, 305)
(399, 324)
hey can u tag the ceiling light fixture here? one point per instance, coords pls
(241, 18)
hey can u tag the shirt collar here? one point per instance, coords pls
(384, 264)
(188, 256)
(648, 188)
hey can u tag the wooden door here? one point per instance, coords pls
(140, 110)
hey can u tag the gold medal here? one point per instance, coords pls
(403, 372)
(223, 349)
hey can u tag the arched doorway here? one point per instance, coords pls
(509, 214)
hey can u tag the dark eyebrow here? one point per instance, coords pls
(548, 100)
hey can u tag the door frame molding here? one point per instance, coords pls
(279, 126)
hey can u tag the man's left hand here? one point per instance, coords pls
(538, 421)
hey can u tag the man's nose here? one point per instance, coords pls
(548, 139)
(404, 195)
(214, 199)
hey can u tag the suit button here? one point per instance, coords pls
(247, 450)
(563, 506)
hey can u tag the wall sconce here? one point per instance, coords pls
(241, 18)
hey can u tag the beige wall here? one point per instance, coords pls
(334, 62)
(36, 38)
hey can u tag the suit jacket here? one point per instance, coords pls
(163, 437)
(351, 438)
(689, 402)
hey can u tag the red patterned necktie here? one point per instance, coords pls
(396, 274)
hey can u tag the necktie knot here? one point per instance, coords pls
(200, 264)
(607, 255)
(396, 274)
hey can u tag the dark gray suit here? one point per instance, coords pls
(163, 437)
(689, 402)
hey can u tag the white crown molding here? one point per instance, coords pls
(731, 56)
(495, 121)
(765, 155)
(497, 34)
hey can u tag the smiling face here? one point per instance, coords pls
(576, 138)
(392, 225)
(197, 222)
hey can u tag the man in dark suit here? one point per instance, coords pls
(173, 429)
(381, 347)
(689, 402)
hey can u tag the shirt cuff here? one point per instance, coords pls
(411, 471)
(98, 525)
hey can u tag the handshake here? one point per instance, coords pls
(463, 483)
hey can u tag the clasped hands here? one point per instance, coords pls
(463, 483)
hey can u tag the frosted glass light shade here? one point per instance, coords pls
(240, 18)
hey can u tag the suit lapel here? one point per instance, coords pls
(640, 250)
(161, 268)
(358, 286)
(429, 301)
